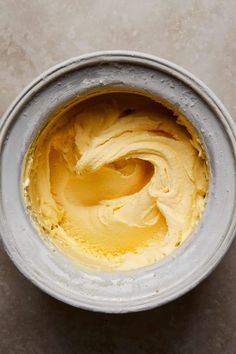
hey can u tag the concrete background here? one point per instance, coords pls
(200, 35)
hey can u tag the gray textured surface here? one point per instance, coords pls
(199, 35)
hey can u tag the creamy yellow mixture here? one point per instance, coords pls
(116, 188)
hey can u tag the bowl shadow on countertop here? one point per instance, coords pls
(202, 321)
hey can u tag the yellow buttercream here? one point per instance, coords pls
(116, 188)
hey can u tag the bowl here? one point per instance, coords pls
(122, 72)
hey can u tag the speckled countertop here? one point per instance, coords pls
(200, 35)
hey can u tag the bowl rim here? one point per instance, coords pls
(57, 70)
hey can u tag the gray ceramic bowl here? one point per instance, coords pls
(150, 286)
